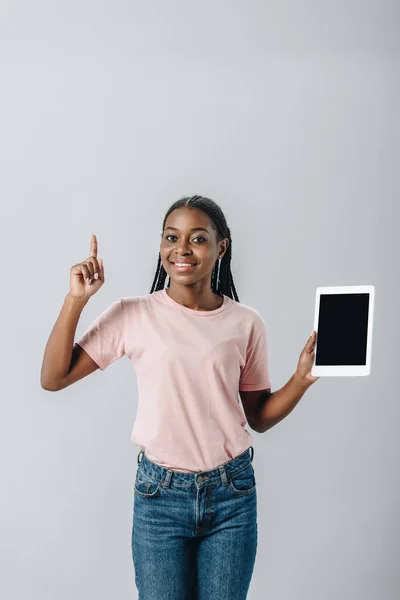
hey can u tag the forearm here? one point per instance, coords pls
(58, 351)
(280, 403)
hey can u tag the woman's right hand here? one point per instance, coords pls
(82, 282)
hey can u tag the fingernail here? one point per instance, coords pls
(96, 275)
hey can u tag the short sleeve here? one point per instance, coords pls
(255, 373)
(104, 340)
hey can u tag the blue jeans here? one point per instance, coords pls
(194, 535)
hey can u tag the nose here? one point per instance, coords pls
(181, 249)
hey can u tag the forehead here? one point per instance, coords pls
(188, 219)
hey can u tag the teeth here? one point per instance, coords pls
(184, 264)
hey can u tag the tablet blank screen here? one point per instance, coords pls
(342, 330)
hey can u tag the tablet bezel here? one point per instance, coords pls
(345, 370)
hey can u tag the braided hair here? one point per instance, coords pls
(221, 278)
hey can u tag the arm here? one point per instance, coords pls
(276, 406)
(251, 401)
(58, 351)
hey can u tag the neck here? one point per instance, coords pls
(196, 300)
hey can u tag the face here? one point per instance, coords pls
(189, 236)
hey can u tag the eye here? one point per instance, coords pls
(198, 237)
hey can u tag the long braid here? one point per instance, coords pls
(221, 277)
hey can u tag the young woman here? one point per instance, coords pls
(194, 348)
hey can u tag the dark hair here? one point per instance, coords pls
(222, 281)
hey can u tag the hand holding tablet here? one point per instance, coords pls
(306, 360)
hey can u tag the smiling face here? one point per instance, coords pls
(189, 236)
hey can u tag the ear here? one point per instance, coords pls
(224, 246)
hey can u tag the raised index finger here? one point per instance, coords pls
(93, 246)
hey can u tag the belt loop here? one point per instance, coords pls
(140, 453)
(223, 475)
(167, 480)
(251, 452)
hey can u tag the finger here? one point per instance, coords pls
(96, 267)
(85, 271)
(93, 246)
(90, 267)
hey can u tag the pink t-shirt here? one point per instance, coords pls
(190, 366)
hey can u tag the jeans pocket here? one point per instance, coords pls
(145, 485)
(243, 482)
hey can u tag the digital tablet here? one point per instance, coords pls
(343, 321)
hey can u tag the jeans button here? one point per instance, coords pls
(199, 479)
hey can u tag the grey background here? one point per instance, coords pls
(284, 113)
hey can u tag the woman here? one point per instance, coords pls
(194, 348)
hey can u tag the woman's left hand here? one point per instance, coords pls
(306, 359)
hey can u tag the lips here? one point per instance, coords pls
(180, 268)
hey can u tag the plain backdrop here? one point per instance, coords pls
(287, 115)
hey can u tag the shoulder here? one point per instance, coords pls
(141, 302)
(249, 315)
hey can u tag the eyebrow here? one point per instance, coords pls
(193, 229)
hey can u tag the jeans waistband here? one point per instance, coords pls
(223, 471)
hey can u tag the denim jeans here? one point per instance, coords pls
(194, 535)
